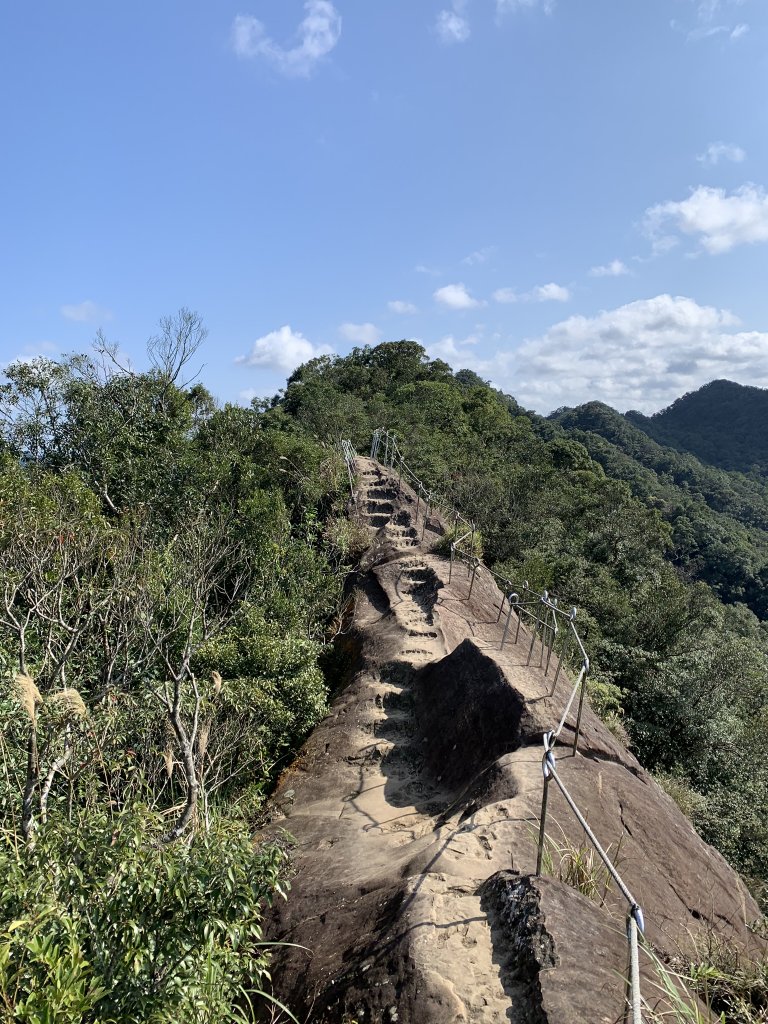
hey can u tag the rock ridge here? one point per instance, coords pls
(415, 807)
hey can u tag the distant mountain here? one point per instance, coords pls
(723, 423)
(719, 519)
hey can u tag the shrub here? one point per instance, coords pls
(691, 803)
(106, 924)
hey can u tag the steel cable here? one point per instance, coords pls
(635, 923)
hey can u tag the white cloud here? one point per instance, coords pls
(510, 6)
(360, 334)
(613, 269)
(717, 151)
(318, 35)
(452, 27)
(542, 293)
(456, 296)
(283, 349)
(551, 293)
(641, 356)
(720, 221)
(31, 352)
(707, 32)
(507, 295)
(706, 12)
(707, 9)
(86, 313)
(458, 353)
(479, 256)
(404, 308)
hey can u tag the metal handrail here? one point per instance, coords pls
(526, 602)
(350, 455)
(635, 918)
(384, 443)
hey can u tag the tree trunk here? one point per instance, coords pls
(33, 778)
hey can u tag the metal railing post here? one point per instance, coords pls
(578, 714)
(533, 644)
(519, 615)
(474, 574)
(513, 599)
(561, 657)
(504, 593)
(543, 623)
(635, 923)
(450, 567)
(543, 816)
(634, 1001)
(552, 634)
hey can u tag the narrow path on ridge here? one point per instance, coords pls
(422, 783)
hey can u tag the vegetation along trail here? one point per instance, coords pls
(183, 589)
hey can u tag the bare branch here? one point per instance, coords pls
(181, 336)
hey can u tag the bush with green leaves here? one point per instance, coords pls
(169, 573)
(104, 923)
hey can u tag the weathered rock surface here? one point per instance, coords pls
(415, 808)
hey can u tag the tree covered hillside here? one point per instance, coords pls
(719, 520)
(172, 574)
(723, 423)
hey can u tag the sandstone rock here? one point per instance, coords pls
(415, 808)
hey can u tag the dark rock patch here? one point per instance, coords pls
(469, 713)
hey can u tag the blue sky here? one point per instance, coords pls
(567, 197)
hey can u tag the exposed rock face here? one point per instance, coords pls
(415, 807)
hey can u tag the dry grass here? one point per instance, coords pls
(68, 702)
(203, 735)
(579, 866)
(28, 695)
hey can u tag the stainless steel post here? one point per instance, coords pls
(474, 573)
(578, 716)
(542, 818)
(513, 599)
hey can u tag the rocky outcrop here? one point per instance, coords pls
(415, 809)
